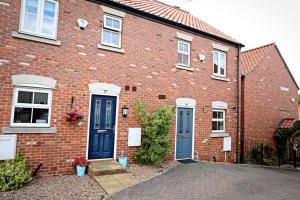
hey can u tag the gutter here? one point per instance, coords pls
(238, 134)
(166, 21)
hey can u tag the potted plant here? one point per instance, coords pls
(74, 116)
(81, 164)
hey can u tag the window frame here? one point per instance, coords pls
(184, 53)
(40, 17)
(112, 29)
(218, 120)
(219, 52)
(15, 104)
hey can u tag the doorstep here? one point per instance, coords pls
(111, 176)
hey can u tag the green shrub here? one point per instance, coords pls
(14, 173)
(156, 140)
(256, 154)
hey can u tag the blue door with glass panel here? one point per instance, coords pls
(184, 133)
(102, 127)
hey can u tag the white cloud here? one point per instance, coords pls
(254, 23)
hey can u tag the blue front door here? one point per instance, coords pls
(184, 133)
(102, 127)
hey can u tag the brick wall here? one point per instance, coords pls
(265, 104)
(148, 63)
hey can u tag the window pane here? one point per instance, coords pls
(25, 97)
(179, 59)
(116, 24)
(222, 62)
(40, 98)
(30, 15)
(215, 115)
(97, 114)
(108, 114)
(185, 48)
(185, 60)
(220, 115)
(215, 62)
(31, 6)
(109, 22)
(30, 22)
(214, 126)
(22, 115)
(180, 47)
(48, 21)
(220, 126)
(106, 36)
(115, 39)
(40, 116)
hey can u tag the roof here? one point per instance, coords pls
(251, 58)
(286, 123)
(174, 14)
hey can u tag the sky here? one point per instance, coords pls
(254, 23)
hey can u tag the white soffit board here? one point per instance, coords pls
(104, 88)
(185, 102)
(183, 36)
(220, 47)
(33, 81)
(219, 105)
(112, 11)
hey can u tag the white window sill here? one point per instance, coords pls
(220, 78)
(12, 130)
(185, 68)
(115, 49)
(35, 38)
(218, 135)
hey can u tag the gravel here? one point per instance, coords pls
(74, 187)
(146, 172)
(62, 187)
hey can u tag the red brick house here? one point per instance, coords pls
(268, 95)
(123, 51)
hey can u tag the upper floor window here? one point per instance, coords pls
(39, 17)
(183, 54)
(31, 107)
(219, 63)
(111, 33)
(218, 121)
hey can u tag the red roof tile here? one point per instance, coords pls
(251, 58)
(175, 14)
(286, 123)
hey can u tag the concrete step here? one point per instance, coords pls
(116, 182)
(105, 167)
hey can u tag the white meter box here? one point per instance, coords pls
(227, 144)
(134, 137)
(8, 144)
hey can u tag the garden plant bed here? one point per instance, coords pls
(62, 187)
(146, 172)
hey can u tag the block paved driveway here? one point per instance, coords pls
(217, 181)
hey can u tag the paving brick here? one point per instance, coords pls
(209, 181)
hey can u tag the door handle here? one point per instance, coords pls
(101, 131)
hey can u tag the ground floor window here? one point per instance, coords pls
(218, 121)
(31, 107)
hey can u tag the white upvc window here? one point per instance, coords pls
(218, 121)
(183, 54)
(39, 17)
(31, 107)
(112, 31)
(219, 63)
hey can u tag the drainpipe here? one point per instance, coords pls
(238, 134)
